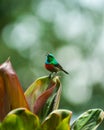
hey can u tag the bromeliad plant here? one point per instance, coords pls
(37, 108)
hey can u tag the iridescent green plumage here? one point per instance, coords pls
(52, 65)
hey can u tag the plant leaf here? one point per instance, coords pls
(11, 93)
(20, 119)
(41, 100)
(57, 120)
(35, 90)
(43, 95)
(89, 120)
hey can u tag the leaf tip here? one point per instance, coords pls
(102, 115)
(8, 60)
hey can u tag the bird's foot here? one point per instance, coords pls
(52, 75)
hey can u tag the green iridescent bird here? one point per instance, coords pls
(52, 64)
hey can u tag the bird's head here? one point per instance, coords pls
(50, 58)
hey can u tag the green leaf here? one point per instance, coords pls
(57, 120)
(89, 120)
(11, 93)
(43, 95)
(20, 119)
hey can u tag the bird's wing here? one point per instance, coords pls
(60, 68)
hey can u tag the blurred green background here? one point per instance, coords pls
(72, 30)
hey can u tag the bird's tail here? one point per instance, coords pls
(65, 71)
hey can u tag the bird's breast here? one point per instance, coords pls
(50, 67)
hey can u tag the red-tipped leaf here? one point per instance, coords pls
(43, 95)
(11, 93)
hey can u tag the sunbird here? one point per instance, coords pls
(52, 64)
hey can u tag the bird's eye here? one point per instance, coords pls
(50, 58)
